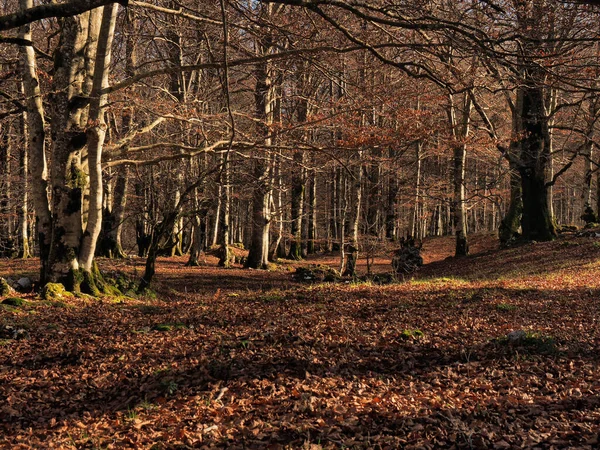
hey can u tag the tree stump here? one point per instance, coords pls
(407, 259)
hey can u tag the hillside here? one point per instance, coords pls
(252, 359)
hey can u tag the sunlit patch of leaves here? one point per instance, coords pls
(324, 367)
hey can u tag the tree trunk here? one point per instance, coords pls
(351, 241)
(312, 222)
(258, 255)
(225, 256)
(96, 135)
(36, 144)
(24, 250)
(460, 122)
(297, 192)
(69, 139)
(536, 222)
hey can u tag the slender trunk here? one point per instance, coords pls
(277, 206)
(24, 250)
(460, 225)
(312, 222)
(225, 257)
(6, 235)
(374, 193)
(111, 245)
(415, 217)
(36, 144)
(96, 136)
(297, 192)
(460, 132)
(351, 247)
(198, 233)
(215, 231)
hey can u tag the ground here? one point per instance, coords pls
(252, 359)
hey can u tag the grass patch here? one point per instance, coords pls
(438, 281)
(273, 296)
(569, 244)
(55, 304)
(163, 327)
(14, 301)
(412, 334)
(150, 310)
(505, 307)
(532, 342)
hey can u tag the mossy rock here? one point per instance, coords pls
(317, 273)
(54, 291)
(14, 301)
(567, 229)
(5, 288)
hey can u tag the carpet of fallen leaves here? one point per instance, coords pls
(251, 359)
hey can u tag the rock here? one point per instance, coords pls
(54, 291)
(516, 336)
(5, 288)
(317, 273)
(10, 332)
(23, 284)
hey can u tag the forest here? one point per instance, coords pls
(299, 224)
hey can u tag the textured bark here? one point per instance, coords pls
(68, 140)
(511, 222)
(536, 222)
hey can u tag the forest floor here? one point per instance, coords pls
(253, 359)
